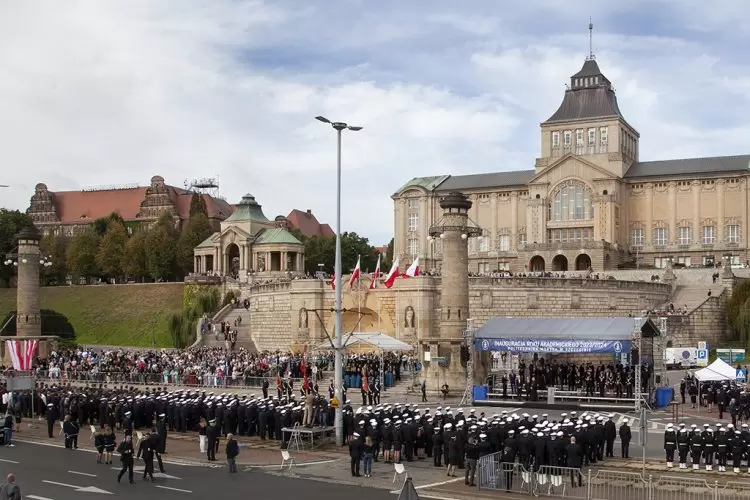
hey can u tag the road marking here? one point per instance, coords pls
(35, 497)
(432, 485)
(83, 489)
(173, 489)
(81, 473)
(8, 461)
(303, 464)
(161, 475)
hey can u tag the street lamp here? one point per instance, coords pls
(13, 261)
(338, 345)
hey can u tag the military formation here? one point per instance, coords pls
(708, 446)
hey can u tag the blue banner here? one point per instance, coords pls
(554, 346)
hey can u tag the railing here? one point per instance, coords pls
(570, 482)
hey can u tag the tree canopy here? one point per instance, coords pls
(322, 250)
(11, 223)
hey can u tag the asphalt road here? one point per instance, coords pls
(52, 473)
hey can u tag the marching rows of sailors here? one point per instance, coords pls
(457, 440)
(710, 446)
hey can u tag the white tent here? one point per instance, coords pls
(718, 370)
(377, 340)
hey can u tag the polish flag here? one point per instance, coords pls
(375, 275)
(21, 353)
(390, 278)
(355, 274)
(413, 270)
(333, 281)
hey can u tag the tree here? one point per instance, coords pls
(82, 251)
(11, 223)
(101, 225)
(322, 250)
(111, 250)
(134, 263)
(387, 261)
(738, 311)
(161, 249)
(198, 205)
(55, 247)
(53, 323)
(198, 228)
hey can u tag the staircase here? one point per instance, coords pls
(693, 296)
(244, 338)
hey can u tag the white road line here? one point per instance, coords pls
(432, 485)
(173, 489)
(620, 419)
(81, 473)
(654, 425)
(8, 461)
(35, 497)
(296, 464)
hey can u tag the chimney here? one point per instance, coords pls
(309, 212)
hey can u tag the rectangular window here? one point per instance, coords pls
(503, 266)
(483, 268)
(592, 137)
(555, 140)
(603, 136)
(413, 222)
(522, 239)
(707, 235)
(636, 237)
(568, 137)
(413, 204)
(413, 247)
(685, 235)
(733, 233)
(660, 236)
(661, 262)
(503, 243)
(685, 261)
(484, 243)
(579, 137)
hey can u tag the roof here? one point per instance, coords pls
(276, 235)
(217, 208)
(428, 183)
(308, 224)
(590, 68)
(587, 103)
(497, 179)
(378, 340)
(248, 210)
(601, 329)
(690, 166)
(208, 242)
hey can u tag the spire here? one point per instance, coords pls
(591, 41)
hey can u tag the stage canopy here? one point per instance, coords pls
(562, 335)
(718, 370)
(373, 340)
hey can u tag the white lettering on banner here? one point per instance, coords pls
(552, 346)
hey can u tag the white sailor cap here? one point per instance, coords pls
(483, 436)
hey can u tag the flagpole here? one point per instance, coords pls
(359, 299)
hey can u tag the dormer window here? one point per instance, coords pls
(556, 140)
(568, 138)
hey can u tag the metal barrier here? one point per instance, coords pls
(550, 481)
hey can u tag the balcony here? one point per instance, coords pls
(568, 245)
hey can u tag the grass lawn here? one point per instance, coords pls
(128, 315)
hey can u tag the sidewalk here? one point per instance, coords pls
(183, 448)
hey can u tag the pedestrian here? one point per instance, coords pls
(367, 455)
(146, 451)
(625, 436)
(574, 462)
(8, 429)
(109, 444)
(9, 490)
(233, 449)
(126, 458)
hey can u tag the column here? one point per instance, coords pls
(696, 190)
(514, 221)
(672, 201)
(196, 264)
(649, 214)
(424, 227)
(495, 230)
(720, 212)
(400, 226)
(745, 220)
(282, 263)
(217, 260)
(269, 267)
(242, 256)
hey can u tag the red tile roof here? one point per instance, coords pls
(80, 206)
(308, 225)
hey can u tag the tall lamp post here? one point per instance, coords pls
(338, 360)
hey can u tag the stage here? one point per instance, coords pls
(301, 437)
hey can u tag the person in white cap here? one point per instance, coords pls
(625, 436)
(670, 444)
(356, 449)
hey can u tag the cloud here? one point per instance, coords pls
(114, 92)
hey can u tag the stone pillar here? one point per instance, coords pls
(269, 267)
(28, 316)
(720, 212)
(672, 201)
(696, 189)
(282, 262)
(514, 221)
(649, 236)
(242, 256)
(493, 220)
(424, 228)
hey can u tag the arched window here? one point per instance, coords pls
(571, 201)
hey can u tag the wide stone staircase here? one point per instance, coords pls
(692, 296)
(244, 338)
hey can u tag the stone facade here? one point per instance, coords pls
(28, 316)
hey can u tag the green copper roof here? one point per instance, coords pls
(248, 209)
(276, 235)
(428, 183)
(207, 243)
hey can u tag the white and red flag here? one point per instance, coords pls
(390, 278)
(355, 275)
(375, 275)
(21, 353)
(333, 281)
(413, 270)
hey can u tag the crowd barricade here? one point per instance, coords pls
(558, 482)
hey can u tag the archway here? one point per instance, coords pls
(583, 262)
(368, 323)
(559, 263)
(536, 264)
(233, 259)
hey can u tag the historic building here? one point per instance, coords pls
(249, 244)
(589, 201)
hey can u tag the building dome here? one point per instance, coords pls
(248, 210)
(40, 187)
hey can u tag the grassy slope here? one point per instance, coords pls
(111, 314)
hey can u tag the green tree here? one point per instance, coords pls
(11, 223)
(322, 250)
(82, 251)
(387, 261)
(738, 312)
(55, 247)
(198, 205)
(112, 249)
(161, 249)
(101, 225)
(134, 262)
(198, 228)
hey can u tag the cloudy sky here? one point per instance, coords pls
(113, 92)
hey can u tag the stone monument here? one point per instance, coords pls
(454, 230)
(28, 315)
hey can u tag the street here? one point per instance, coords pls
(52, 473)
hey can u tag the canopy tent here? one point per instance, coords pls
(374, 340)
(562, 335)
(718, 370)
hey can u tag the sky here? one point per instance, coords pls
(99, 93)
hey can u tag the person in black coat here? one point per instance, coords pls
(212, 440)
(575, 461)
(453, 451)
(156, 445)
(126, 458)
(146, 452)
(610, 433)
(233, 449)
(355, 453)
(51, 415)
(508, 458)
(625, 436)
